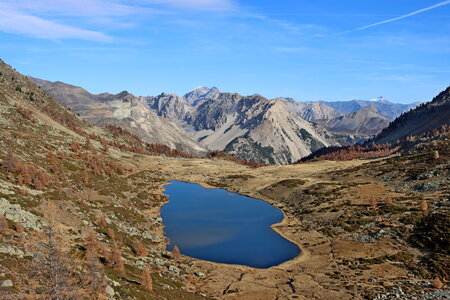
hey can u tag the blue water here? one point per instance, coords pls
(219, 226)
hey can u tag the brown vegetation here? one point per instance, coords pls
(140, 249)
(423, 206)
(176, 252)
(115, 258)
(25, 113)
(147, 281)
(26, 173)
(352, 152)
(437, 283)
(54, 269)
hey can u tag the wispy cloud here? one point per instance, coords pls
(216, 5)
(400, 17)
(18, 23)
(396, 77)
(48, 19)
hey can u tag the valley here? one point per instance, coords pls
(363, 225)
(224, 150)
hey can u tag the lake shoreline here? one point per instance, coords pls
(275, 227)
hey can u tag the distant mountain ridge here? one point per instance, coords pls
(220, 120)
(252, 127)
(386, 108)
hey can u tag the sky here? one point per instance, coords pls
(308, 50)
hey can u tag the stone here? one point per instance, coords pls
(115, 283)
(7, 283)
(15, 213)
(199, 274)
(109, 291)
(174, 269)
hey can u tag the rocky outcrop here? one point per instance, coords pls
(246, 149)
(171, 106)
(16, 214)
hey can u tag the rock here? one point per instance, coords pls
(199, 274)
(159, 261)
(115, 283)
(15, 213)
(12, 251)
(174, 270)
(7, 283)
(85, 222)
(109, 291)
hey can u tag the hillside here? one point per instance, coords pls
(427, 117)
(124, 110)
(74, 193)
(368, 229)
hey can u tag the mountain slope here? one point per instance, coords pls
(213, 118)
(75, 194)
(387, 109)
(269, 123)
(364, 122)
(125, 110)
(311, 111)
(426, 117)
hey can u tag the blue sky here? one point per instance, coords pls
(308, 50)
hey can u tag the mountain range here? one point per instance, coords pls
(253, 128)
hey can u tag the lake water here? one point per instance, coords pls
(219, 226)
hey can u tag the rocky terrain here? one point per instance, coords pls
(87, 199)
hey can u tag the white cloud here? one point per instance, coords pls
(401, 17)
(18, 23)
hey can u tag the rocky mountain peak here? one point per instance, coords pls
(201, 94)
